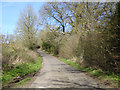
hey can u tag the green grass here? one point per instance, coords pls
(114, 78)
(22, 83)
(21, 70)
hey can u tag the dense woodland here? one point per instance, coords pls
(84, 32)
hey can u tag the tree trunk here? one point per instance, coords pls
(63, 28)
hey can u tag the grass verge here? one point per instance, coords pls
(22, 83)
(113, 79)
(20, 70)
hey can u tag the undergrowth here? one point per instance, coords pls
(21, 70)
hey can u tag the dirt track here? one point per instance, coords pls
(56, 74)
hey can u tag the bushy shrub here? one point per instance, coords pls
(69, 44)
(96, 52)
(47, 46)
(12, 55)
(50, 41)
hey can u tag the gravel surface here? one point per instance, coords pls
(56, 74)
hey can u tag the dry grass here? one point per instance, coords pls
(32, 54)
(12, 55)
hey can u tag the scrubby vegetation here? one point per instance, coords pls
(18, 62)
(19, 56)
(20, 70)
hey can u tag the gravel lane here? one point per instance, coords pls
(56, 74)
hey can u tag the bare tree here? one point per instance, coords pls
(27, 27)
(88, 16)
(55, 11)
